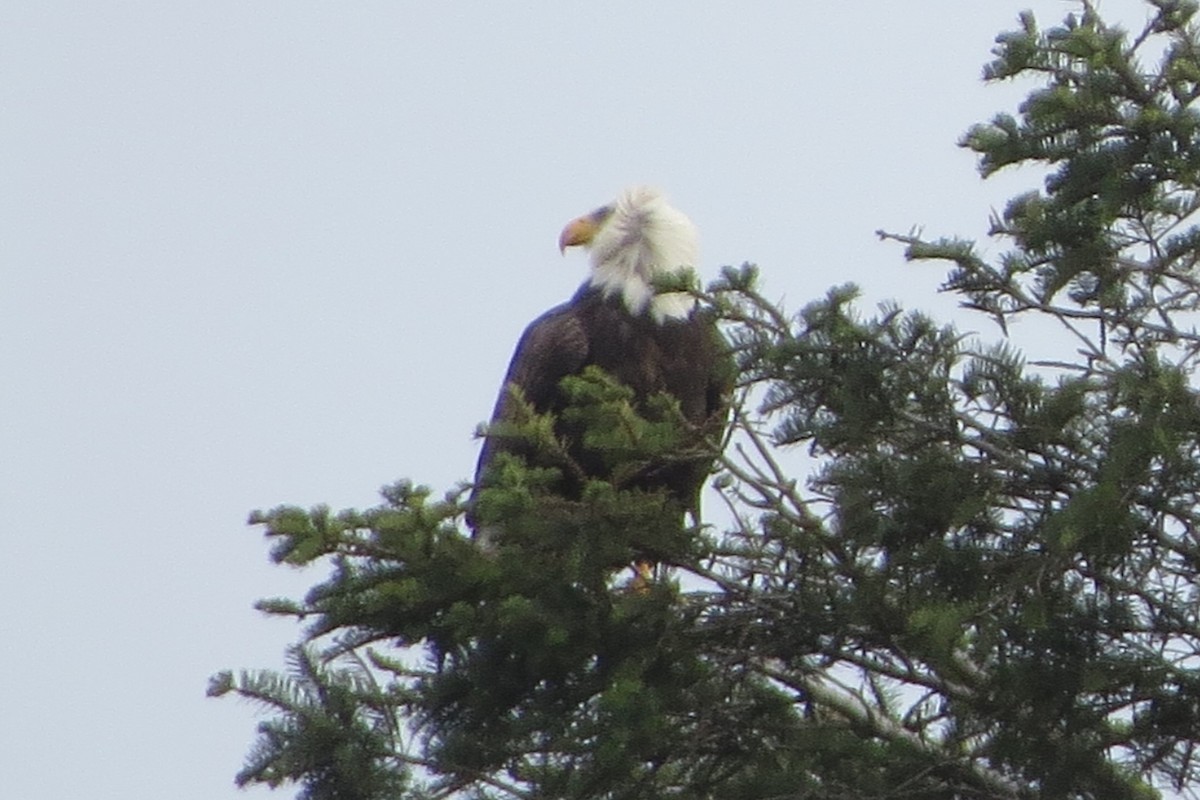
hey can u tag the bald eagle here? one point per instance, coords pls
(650, 342)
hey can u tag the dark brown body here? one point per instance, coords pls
(684, 358)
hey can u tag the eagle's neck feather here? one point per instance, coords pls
(643, 239)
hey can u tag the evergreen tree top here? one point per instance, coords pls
(986, 587)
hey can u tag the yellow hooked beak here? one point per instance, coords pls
(582, 230)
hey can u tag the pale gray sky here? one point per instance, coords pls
(255, 253)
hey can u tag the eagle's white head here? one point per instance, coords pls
(633, 240)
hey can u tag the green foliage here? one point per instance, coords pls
(336, 732)
(1110, 229)
(625, 440)
(979, 582)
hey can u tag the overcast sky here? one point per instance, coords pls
(255, 253)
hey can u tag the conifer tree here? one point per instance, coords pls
(987, 587)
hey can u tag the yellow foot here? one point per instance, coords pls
(643, 576)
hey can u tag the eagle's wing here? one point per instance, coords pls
(551, 348)
(718, 388)
(722, 379)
